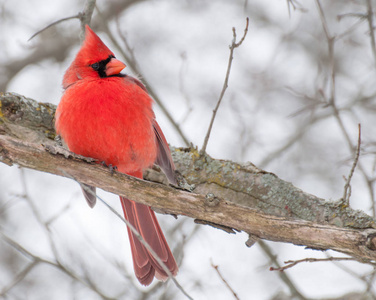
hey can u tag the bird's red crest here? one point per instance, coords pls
(92, 50)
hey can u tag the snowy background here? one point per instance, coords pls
(276, 113)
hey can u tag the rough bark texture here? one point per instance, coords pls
(224, 194)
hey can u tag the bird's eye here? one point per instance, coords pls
(95, 66)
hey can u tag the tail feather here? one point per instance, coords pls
(146, 223)
(89, 193)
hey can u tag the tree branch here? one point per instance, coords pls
(233, 45)
(216, 268)
(292, 263)
(283, 275)
(347, 189)
(232, 195)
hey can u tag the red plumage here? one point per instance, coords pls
(108, 116)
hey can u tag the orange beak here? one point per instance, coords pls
(114, 67)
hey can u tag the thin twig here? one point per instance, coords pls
(370, 280)
(347, 188)
(224, 281)
(292, 263)
(58, 265)
(331, 41)
(284, 277)
(84, 17)
(18, 247)
(323, 20)
(289, 8)
(351, 28)
(19, 277)
(233, 45)
(295, 6)
(332, 102)
(352, 14)
(37, 259)
(371, 28)
(78, 16)
(38, 216)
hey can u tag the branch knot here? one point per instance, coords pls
(211, 200)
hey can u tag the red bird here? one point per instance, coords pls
(108, 116)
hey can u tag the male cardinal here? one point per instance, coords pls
(108, 116)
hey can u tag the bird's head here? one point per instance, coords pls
(93, 60)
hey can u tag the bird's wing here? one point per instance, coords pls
(164, 159)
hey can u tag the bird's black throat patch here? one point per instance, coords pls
(100, 66)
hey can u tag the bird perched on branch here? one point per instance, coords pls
(107, 115)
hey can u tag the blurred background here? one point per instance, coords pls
(299, 85)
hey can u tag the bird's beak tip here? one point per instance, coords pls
(114, 67)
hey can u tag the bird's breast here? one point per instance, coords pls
(109, 121)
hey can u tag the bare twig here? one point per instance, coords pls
(323, 20)
(84, 17)
(289, 4)
(36, 260)
(347, 188)
(330, 39)
(19, 277)
(233, 45)
(295, 5)
(224, 280)
(284, 277)
(352, 14)
(78, 16)
(371, 28)
(370, 280)
(38, 216)
(361, 18)
(332, 102)
(292, 263)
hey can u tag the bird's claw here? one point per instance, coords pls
(110, 166)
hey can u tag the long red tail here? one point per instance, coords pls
(146, 223)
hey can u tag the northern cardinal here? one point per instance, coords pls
(106, 115)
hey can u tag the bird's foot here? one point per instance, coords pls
(110, 166)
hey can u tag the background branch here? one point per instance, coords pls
(233, 45)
